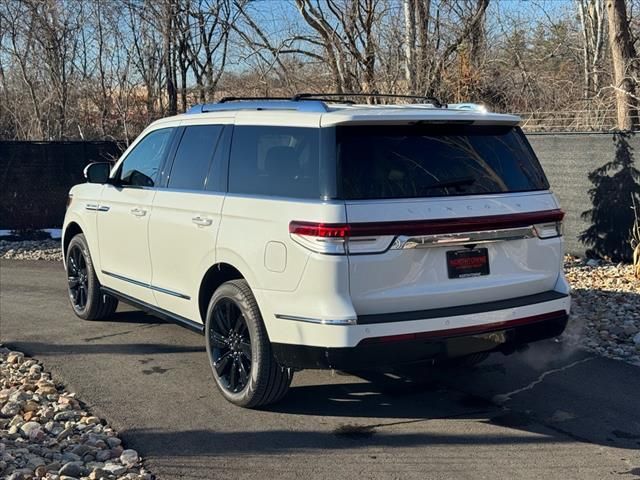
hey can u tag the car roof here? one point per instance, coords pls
(391, 114)
(320, 113)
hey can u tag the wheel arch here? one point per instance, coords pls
(215, 276)
(71, 230)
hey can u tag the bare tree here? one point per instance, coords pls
(168, 58)
(72, 68)
(438, 51)
(592, 23)
(210, 25)
(147, 54)
(20, 33)
(409, 8)
(622, 54)
(58, 40)
(348, 37)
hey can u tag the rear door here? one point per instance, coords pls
(444, 215)
(186, 219)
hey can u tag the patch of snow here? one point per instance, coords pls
(56, 233)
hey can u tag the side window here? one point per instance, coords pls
(141, 167)
(277, 161)
(217, 178)
(193, 157)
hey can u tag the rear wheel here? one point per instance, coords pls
(88, 302)
(239, 349)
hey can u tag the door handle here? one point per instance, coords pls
(139, 212)
(203, 222)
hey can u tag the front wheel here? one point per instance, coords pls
(88, 302)
(239, 350)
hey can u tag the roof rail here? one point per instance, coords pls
(236, 99)
(329, 96)
(312, 102)
(259, 103)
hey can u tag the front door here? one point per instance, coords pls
(123, 217)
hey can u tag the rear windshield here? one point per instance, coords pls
(407, 161)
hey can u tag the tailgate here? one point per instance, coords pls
(422, 270)
(445, 215)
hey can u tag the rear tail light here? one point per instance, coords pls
(320, 237)
(320, 230)
(336, 238)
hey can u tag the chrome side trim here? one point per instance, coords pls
(448, 239)
(147, 285)
(319, 321)
(97, 208)
(170, 292)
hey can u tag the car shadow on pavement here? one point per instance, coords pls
(396, 411)
(46, 349)
(191, 443)
(134, 316)
(568, 392)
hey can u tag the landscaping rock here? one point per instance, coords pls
(31, 250)
(46, 433)
(72, 469)
(605, 309)
(129, 458)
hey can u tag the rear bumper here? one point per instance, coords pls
(377, 352)
(297, 330)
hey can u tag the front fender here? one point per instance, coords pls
(86, 220)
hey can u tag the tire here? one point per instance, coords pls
(86, 299)
(239, 350)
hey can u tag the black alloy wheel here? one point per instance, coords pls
(231, 342)
(85, 292)
(78, 278)
(239, 350)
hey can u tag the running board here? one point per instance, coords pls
(156, 311)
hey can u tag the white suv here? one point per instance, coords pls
(309, 233)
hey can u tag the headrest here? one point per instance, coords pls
(281, 161)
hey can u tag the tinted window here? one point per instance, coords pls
(142, 165)
(430, 161)
(193, 157)
(217, 178)
(278, 161)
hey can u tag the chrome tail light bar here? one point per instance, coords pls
(378, 237)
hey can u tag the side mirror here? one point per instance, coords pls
(97, 172)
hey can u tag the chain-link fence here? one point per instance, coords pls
(584, 116)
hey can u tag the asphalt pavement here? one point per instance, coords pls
(550, 412)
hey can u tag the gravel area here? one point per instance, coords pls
(45, 432)
(31, 250)
(605, 312)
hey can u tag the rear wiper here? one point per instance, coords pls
(456, 182)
